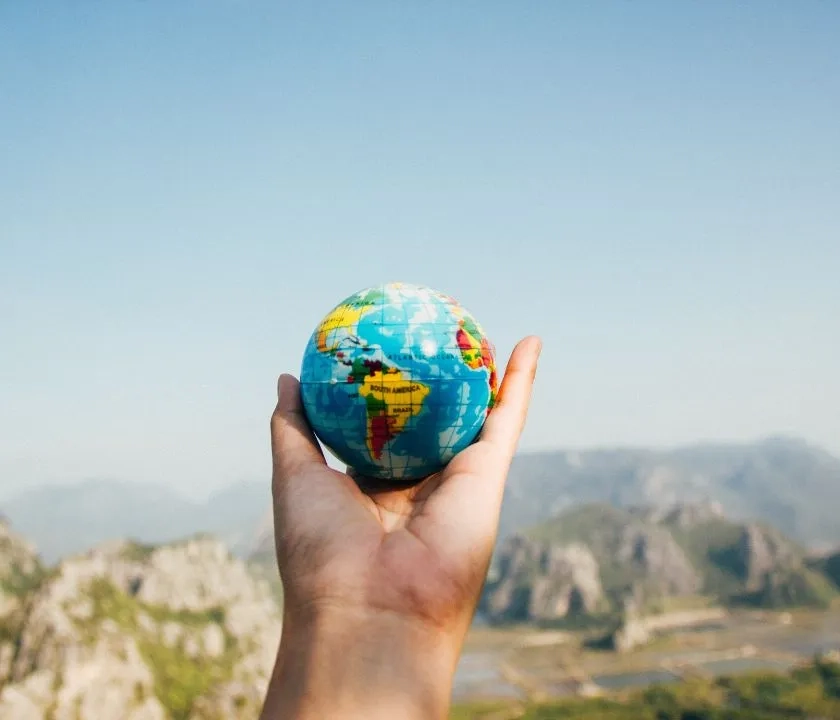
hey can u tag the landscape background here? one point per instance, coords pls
(615, 569)
(786, 481)
(186, 188)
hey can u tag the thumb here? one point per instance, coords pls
(293, 443)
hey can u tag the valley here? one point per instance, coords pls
(523, 663)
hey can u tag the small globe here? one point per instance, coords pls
(396, 380)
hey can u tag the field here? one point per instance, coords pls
(519, 671)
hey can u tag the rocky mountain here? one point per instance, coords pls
(66, 519)
(828, 564)
(783, 481)
(173, 632)
(597, 558)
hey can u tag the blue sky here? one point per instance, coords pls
(186, 187)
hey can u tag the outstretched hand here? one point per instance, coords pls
(383, 581)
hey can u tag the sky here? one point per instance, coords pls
(187, 187)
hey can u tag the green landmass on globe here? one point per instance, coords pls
(397, 379)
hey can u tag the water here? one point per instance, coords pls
(738, 665)
(699, 629)
(477, 675)
(639, 679)
(477, 668)
(478, 672)
(809, 647)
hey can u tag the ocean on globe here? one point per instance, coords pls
(397, 379)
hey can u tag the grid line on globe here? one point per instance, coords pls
(397, 379)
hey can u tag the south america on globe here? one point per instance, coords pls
(396, 380)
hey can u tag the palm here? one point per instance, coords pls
(422, 550)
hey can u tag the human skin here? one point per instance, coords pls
(380, 585)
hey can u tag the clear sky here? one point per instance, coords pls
(186, 187)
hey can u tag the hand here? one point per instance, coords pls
(380, 586)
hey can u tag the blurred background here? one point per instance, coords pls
(187, 188)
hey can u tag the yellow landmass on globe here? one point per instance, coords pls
(392, 400)
(344, 317)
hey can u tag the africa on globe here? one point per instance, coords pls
(396, 380)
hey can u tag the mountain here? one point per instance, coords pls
(783, 481)
(66, 519)
(828, 564)
(180, 631)
(184, 630)
(598, 559)
(20, 572)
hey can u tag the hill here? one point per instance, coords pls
(180, 631)
(185, 631)
(783, 481)
(599, 559)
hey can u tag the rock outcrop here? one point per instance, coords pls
(759, 553)
(593, 558)
(20, 572)
(656, 556)
(177, 632)
(632, 630)
(775, 480)
(541, 581)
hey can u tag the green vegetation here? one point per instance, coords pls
(714, 546)
(711, 547)
(485, 711)
(20, 584)
(792, 485)
(828, 566)
(111, 603)
(602, 528)
(594, 525)
(180, 679)
(137, 552)
(812, 691)
(189, 618)
(800, 587)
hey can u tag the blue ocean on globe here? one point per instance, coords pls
(397, 379)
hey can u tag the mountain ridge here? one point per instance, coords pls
(598, 559)
(186, 631)
(787, 481)
(784, 480)
(64, 519)
(177, 631)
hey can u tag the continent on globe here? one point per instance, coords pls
(392, 399)
(346, 315)
(397, 379)
(476, 349)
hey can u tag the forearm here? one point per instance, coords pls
(372, 667)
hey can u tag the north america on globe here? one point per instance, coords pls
(397, 379)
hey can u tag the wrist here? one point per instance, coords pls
(361, 663)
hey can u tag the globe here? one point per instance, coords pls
(396, 380)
